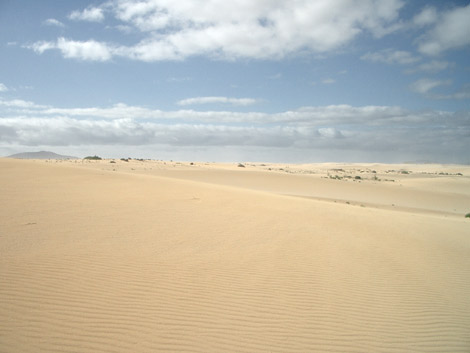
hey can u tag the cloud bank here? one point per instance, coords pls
(337, 131)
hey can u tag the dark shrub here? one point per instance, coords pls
(93, 158)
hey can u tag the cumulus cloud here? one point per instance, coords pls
(91, 14)
(425, 85)
(41, 46)
(269, 29)
(330, 132)
(90, 50)
(53, 22)
(390, 56)
(451, 31)
(3, 88)
(19, 103)
(218, 100)
(426, 17)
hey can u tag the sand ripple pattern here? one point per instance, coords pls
(145, 264)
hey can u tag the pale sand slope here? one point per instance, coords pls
(95, 260)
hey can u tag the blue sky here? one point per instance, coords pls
(266, 80)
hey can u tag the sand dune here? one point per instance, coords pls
(146, 256)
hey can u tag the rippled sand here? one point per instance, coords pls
(149, 256)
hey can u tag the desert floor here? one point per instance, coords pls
(154, 256)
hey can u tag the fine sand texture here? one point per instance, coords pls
(153, 256)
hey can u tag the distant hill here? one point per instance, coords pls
(40, 155)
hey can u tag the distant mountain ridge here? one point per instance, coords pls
(40, 155)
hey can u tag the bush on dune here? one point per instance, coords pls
(93, 158)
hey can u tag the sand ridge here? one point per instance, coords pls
(413, 188)
(146, 256)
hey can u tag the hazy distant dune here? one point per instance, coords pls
(40, 155)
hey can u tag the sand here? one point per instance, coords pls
(152, 256)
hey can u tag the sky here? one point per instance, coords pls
(245, 80)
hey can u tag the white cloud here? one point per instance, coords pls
(41, 46)
(317, 116)
(390, 56)
(328, 81)
(90, 50)
(53, 22)
(451, 31)
(3, 88)
(434, 66)
(330, 132)
(268, 29)
(425, 85)
(367, 130)
(19, 103)
(306, 116)
(463, 93)
(426, 17)
(91, 14)
(218, 100)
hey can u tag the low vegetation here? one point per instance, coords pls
(93, 158)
